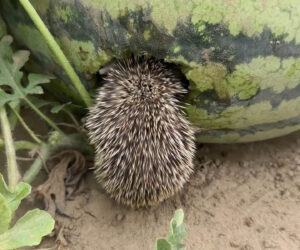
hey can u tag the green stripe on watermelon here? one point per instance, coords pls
(254, 133)
(247, 16)
(247, 81)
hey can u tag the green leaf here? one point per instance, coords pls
(10, 74)
(39, 103)
(13, 199)
(178, 217)
(162, 244)
(3, 29)
(28, 231)
(57, 107)
(34, 81)
(5, 215)
(5, 47)
(177, 231)
(176, 234)
(14, 104)
(178, 246)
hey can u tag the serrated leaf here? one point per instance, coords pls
(13, 199)
(28, 231)
(34, 81)
(5, 215)
(19, 59)
(10, 74)
(162, 244)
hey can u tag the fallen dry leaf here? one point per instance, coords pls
(64, 180)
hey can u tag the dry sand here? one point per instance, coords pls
(244, 197)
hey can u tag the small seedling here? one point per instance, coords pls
(176, 234)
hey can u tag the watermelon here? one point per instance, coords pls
(242, 58)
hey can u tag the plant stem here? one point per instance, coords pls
(73, 141)
(32, 172)
(57, 51)
(72, 117)
(29, 131)
(25, 145)
(13, 120)
(12, 167)
(20, 145)
(51, 123)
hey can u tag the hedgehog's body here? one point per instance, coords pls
(144, 145)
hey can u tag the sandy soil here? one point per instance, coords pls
(241, 197)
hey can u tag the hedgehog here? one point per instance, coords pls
(144, 145)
